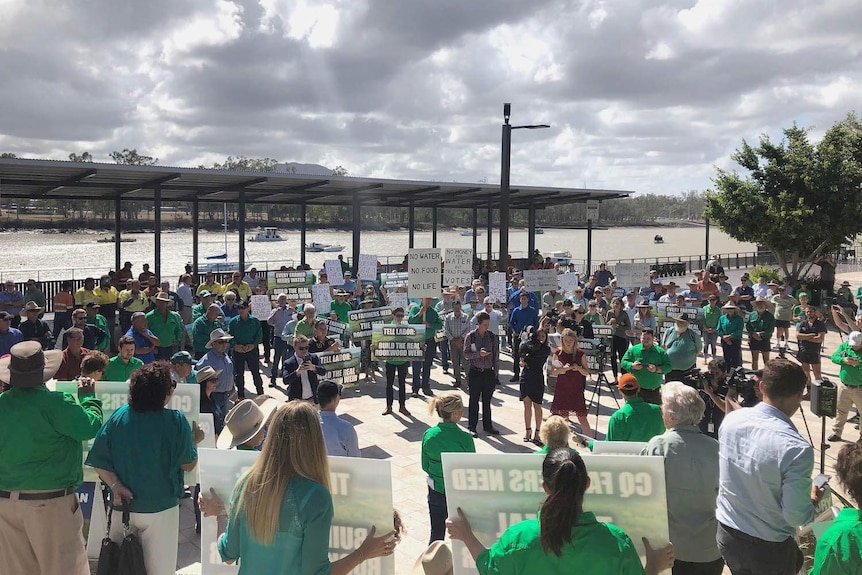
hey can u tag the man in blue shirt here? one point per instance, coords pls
(9, 335)
(522, 316)
(745, 293)
(603, 275)
(765, 489)
(339, 435)
(217, 358)
(145, 341)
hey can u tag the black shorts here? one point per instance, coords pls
(782, 323)
(809, 355)
(758, 344)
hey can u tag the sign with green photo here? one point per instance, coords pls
(361, 497)
(363, 320)
(186, 398)
(666, 314)
(498, 490)
(402, 342)
(296, 284)
(341, 366)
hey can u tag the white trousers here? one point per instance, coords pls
(158, 533)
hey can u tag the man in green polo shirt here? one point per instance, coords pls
(637, 420)
(306, 323)
(121, 366)
(200, 309)
(340, 306)
(648, 362)
(247, 335)
(203, 327)
(165, 325)
(40, 520)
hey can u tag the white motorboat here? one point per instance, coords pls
(333, 248)
(267, 235)
(560, 257)
(315, 247)
(470, 232)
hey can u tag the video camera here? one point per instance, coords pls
(740, 379)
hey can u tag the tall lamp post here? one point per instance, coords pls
(504, 179)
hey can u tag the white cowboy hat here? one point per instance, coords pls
(245, 420)
(436, 560)
(207, 372)
(218, 335)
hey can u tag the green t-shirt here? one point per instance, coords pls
(302, 542)
(637, 420)
(119, 371)
(596, 549)
(784, 307)
(246, 332)
(168, 329)
(42, 432)
(656, 356)
(839, 549)
(305, 327)
(711, 315)
(445, 437)
(341, 310)
(849, 375)
(145, 449)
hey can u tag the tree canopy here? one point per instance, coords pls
(799, 199)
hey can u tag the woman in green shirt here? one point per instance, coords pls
(393, 368)
(564, 538)
(281, 508)
(839, 549)
(445, 437)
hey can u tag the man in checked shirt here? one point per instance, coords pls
(482, 352)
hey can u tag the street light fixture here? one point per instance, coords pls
(504, 179)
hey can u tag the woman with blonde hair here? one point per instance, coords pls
(569, 366)
(281, 508)
(445, 437)
(555, 434)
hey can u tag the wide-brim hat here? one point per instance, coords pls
(205, 373)
(342, 292)
(682, 319)
(672, 284)
(218, 335)
(760, 299)
(245, 420)
(371, 300)
(161, 296)
(643, 304)
(729, 305)
(28, 366)
(436, 560)
(30, 306)
(772, 283)
(845, 283)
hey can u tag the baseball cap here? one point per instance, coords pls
(182, 357)
(628, 382)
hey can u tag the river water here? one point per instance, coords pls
(76, 255)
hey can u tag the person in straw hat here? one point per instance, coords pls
(35, 329)
(288, 485)
(245, 423)
(166, 325)
(40, 520)
(729, 331)
(436, 560)
(218, 359)
(682, 346)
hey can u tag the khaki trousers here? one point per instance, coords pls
(847, 396)
(42, 537)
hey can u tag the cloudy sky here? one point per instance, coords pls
(641, 94)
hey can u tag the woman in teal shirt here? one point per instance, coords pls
(839, 549)
(564, 539)
(140, 454)
(281, 508)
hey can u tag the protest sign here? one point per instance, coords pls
(458, 267)
(497, 287)
(399, 299)
(367, 269)
(361, 321)
(666, 314)
(630, 275)
(392, 280)
(568, 282)
(86, 493)
(334, 327)
(361, 497)
(261, 307)
(540, 280)
(424, 273)
(334, 272)
(402, 342)
(296, 284)
(341, 366)
(499, 490)
(589, 347)
(186, 398)
(321, 295)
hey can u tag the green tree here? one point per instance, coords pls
(798, 199)
(85, 157)
(340, 171)
(133, 158)
(242, 163)
(8, 155)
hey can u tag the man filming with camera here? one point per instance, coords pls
(725, 391)
(765, 487)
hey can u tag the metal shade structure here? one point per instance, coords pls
(52, 179)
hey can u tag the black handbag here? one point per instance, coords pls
(109, 553)
(131, 560)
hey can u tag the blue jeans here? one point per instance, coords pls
(219, 399)
(444, 353)
(747, 555)
(422, 369)
(710, 340)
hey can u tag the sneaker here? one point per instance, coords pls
(403, 411)
(834, 437)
